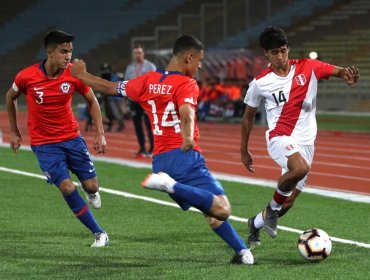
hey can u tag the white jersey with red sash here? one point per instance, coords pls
(290, 101)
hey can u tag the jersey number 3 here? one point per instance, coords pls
(170, 110)
(39, 99)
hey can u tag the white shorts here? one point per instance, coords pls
(281, 147)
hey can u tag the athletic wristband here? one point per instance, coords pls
(121, 88)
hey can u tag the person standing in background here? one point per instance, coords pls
(112, 104)
(139, 67)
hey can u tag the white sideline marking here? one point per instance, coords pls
(344, 195)
(162, 202)
(328, 192)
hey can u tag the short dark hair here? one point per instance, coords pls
(139, 46)
(272, 38)
(56, 37)
(186, 42)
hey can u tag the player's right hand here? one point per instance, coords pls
(15, 141)
(78, 66)
(187, 144)
(100, 144)
(247, 160)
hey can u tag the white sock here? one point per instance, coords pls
(169, 183)
(258, 221)
(275, 206)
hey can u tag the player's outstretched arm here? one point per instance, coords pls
(187, 126)
(350, 74)
(78, 70)
(11, 106)
(100, 144)
(247, 125)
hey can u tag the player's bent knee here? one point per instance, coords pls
(222, 215)
(66, 187)
(221, 208)
(302, 171)
(222, 212)
(91, 185)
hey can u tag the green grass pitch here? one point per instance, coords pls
(41, 239)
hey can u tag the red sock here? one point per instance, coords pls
(279, 199)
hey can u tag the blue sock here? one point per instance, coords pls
(228, 234)
(198, 198)
(82, 211)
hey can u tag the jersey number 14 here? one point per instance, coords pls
(281, 98)
(170, 110)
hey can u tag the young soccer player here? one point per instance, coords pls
(55, 136)
(289, 89)
(169, 96)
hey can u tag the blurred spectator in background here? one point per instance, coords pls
(220, 99)
(112, 105)
(139, 67)
(123, 101)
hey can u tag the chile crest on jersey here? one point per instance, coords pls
(65, 87)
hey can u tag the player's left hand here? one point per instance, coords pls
(100, 144)
(15, 140)
(247, 160)
(78, 67)
(351, 75)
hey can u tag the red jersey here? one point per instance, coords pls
(161, 94)
(50, 116)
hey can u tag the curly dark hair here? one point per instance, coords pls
(272, 38)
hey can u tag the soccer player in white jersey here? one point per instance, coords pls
(288, 88)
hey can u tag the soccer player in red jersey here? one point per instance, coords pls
(289, 89)
(55, 136)
(170, 97)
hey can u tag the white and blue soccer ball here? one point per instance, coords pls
(314, 245)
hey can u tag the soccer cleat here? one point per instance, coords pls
(139, 155)
(243, 257)
(149, 155)
(270, 217)
(94, 199)
(254, 233)
(161, 182)
(101, 240)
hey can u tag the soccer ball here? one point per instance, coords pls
(314, 244)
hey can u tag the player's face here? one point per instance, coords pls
(195, 59)
(278, 57)
(61, 55)
(138, 54)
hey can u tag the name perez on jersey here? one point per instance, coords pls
(160, 89)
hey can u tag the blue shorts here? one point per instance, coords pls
(188, 168)
(57, 159)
